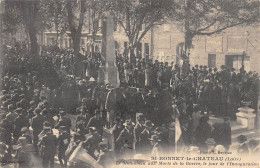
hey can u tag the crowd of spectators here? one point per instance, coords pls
(142, 114)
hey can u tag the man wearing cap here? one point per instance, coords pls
(11, 115)
(64, 121)
(96, 122)
(20, 122)
(126, 134)
(48, 145)
(63, 143)
(138, 129)
(48, 117)
(144, 140)
(37, 126)
(25, 133)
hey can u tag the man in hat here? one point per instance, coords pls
(37, 126)
(91, 143)
(24, 153)
(144, 140)
(83, 116)
(138, 129)
(25, 133)
(126, 134)
(63, 143)
(11, 115)
(117, 128)
(48, 144)
(222, 133)
(64, 121)
(48, 117)
(202, 133)
(20, 122)
(97, 122)
(243, 147)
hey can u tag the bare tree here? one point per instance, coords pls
(131, 15)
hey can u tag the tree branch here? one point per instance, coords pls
(221, 29)
(205, 28)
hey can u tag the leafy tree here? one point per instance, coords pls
(131, 15)
(95, 13)
(75, 10)
(207, 17)
(55, 11)
(27, 14)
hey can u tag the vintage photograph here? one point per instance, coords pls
(129, 83)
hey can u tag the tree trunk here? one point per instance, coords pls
(132, 54)
(34, 45)
(76, 43)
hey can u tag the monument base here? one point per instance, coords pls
(246, 117)
(112, 76)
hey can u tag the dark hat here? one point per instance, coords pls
(19, 110)
(242, 138)
(128, 123)
(117, 119)
(196, 65)
(196, 107)
(148, 123)
(155, 138)
(62, 112)
(140, 117)
(63, 128)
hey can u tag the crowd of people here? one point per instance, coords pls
(153, 102)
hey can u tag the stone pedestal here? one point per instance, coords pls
(246, 117)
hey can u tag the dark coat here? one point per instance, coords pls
(49, 143)
(65, 121)
(124, 137)
(98, 123)
(19, 123)
(63, 141)
(144, 142)
(37, 124)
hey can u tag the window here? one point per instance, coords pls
(146, 51)
(212, 60)
(115, 26)
(139, 50)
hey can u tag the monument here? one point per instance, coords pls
(108, 72)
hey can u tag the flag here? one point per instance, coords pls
(81, 155)
(177, 130)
